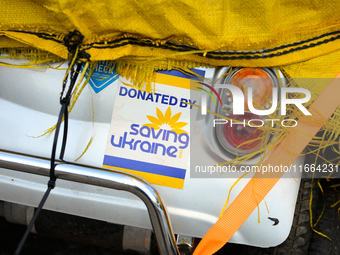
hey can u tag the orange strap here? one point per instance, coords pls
(259, 186)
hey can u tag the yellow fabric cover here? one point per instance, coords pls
(301, 37)
(144, 30)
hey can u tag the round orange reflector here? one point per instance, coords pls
(259, 81)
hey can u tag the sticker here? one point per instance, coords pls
(150, 132)
(102, 76)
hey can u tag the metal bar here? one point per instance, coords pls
(115, 180)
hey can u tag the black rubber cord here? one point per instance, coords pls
(63, 114)
(71, 43)
(35, 216)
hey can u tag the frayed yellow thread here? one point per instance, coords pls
(58, 67)
(189, 72)
(335, 204)
(113, 65)
(89, 143)
(265, 150)
(226, 203)
(71, 64)
(133, 86)
(334, 186)
(75, 96)
(142, 75)
(324, 205)
(257, 202)
(108, 69)
(22, 66)
(328, 162)
(269, 147)
(258, 213)
(323, 210)
(239, 160)
(87, 146)
(281, 85)
(293, 177)
(231, 70)
(230, 190)
(75, 91)
(311, 201)
(32, 55)
(266, 205)
(321, 145)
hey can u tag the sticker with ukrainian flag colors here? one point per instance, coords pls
(150, 132)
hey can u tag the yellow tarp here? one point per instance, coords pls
(302, 37)
(275, 32)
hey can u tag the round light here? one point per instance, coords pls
(238, 136)
(259, 81)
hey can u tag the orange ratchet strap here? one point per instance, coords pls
(259, 186)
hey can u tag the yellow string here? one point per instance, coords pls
(89, 143)
(226, 203)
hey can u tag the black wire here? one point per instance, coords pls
(63, 114)
(55, 141)
(66, 101)
(51, 182)
(63, 146)
(28, 230)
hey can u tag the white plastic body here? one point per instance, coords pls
(29, 105)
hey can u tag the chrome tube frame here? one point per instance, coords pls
(99, 177)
